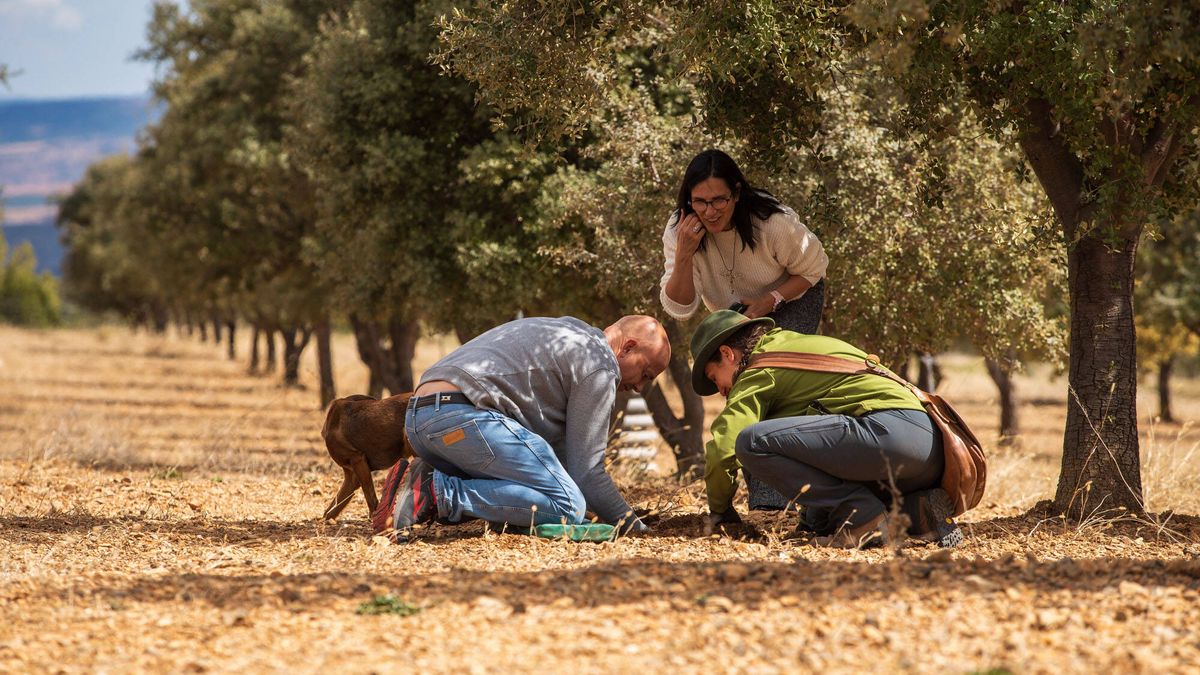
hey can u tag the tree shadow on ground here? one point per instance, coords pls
(26, 530)
(690, 584)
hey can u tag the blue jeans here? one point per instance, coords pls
(487, 466)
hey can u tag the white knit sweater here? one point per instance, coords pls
(783, 247)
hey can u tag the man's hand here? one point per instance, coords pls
(713, 520)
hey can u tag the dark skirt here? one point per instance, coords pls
(803, 314)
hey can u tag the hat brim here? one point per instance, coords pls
(700, 382)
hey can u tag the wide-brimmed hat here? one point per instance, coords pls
(710, 334)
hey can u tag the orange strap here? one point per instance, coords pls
(823, 363)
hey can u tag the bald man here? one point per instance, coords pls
(511, 427)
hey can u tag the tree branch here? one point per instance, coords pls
(1057, 169)
(1163, 145)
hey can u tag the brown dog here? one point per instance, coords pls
(364, 434)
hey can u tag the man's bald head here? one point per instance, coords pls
(642, 348)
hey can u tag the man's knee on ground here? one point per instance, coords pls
(570, 506)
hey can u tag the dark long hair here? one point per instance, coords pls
(751, 200)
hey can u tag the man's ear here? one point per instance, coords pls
(628, 346)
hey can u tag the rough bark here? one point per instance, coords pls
(1101, 468)
(1001, 372)
(325, 362)
(1165, 366)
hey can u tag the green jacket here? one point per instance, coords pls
(769, 393)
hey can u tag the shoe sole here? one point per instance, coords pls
(934, 519)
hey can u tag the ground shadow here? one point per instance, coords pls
(27, 530)
(685, 585)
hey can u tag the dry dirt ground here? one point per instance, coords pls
(159, 511)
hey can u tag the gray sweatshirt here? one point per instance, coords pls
(556, 377)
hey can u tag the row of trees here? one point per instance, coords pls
(26, 297)
(408, 164)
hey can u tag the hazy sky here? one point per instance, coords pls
(68, 48)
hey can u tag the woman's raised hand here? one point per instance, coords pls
(690, 234)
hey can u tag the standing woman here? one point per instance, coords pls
(734, 246)
(730, 244)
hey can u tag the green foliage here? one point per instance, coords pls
(381, 139)
(108, 265)
(930, 235)
(1117, 83)
(387, 604)
(1168, 290)
(26, 297)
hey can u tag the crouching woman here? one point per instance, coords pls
(838, 444)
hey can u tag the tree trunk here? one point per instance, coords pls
(404, 336)
(254, 348)
(365, 338)
(294, 342)
(1101, 468)
(1165, 366)
(216, 323)
(1001, 372)
(160, 320)
(684, 434)
(272, 360)
(325, 362)
(203, 326)
(231, 331)
(929, 371)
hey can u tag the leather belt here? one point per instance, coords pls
(443, 397)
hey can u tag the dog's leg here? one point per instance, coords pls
(349, 484)
(367, 484)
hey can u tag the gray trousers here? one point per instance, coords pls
(845, 461)
(802, 315)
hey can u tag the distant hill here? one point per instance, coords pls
(31, 120)
(45, 148)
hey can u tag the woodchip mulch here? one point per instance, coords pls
(159, 511)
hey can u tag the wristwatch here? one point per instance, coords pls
(779, 299)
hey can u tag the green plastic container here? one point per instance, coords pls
(584, 532)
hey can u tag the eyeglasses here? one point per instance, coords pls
(719, 203)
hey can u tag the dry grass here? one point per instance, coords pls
(159, 511)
